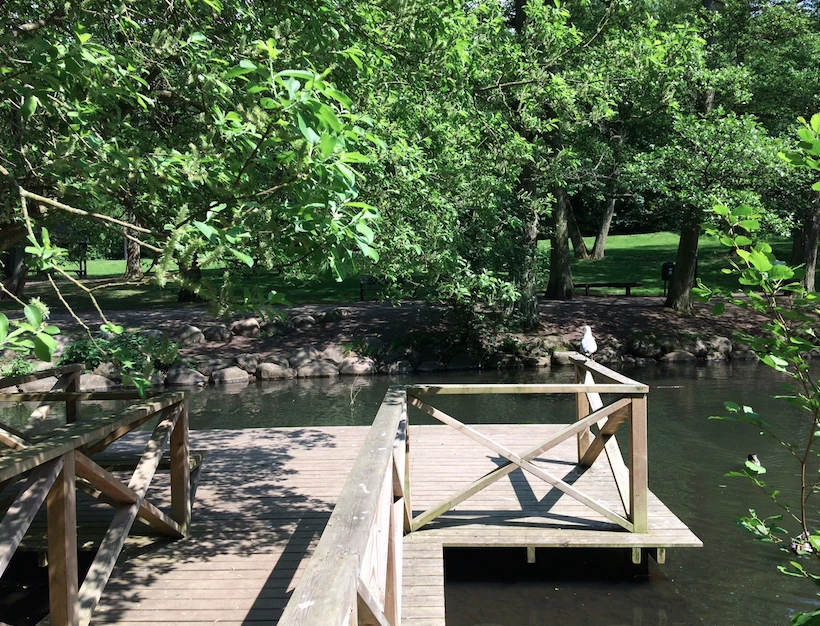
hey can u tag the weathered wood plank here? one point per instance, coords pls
(181, 471)
(61, 504)
(499, 389)
(21, 513)
(638, 466)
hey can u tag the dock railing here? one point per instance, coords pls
(354, 576)
(55, 465)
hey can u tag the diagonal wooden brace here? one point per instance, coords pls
(526, 465)
(489, 478)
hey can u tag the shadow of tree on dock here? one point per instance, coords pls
(532, 511)
(263, 500)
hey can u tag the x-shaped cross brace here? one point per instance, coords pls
(615, 416)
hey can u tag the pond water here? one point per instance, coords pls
(731, 580)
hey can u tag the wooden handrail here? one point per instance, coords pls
(13, 381)
(537, 388)
(610, 375)
(70, 437)
(360, 534)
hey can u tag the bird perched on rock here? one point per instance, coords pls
(588, 345)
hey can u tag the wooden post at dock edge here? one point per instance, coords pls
(181, 470)
(638, 471)
(581, 411)
(61, 505)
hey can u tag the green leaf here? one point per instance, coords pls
(720, 209)
(750, 225)
(29, 106)
(760, 261)
(719, 308)
(4, 327)
(741, 240)
(307, 131)
(33, 315)
(327, 145)
(742, 211)
(196, 38)
(206, 229)
(247, 64)
(354, 157)
(339, 97)
(297, 74)
(293, 86)
(328, 116)
(366, 231)
(246, 259)
(44, 346)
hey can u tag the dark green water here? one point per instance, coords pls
(732, 580)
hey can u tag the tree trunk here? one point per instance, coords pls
(798, 245)
(611, 195)
(812, 230)
(579, 246)
(525, 266)
(603, 232)
(15, 273)
(686, 263)
(133, 268)
(192, 276)
(560, 284)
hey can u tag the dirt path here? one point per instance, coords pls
(609, 317)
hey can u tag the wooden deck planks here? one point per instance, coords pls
(265, 495)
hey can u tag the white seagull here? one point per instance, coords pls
(588, 345)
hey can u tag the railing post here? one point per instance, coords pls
(638, 473)
(71, 405)
(581, 411)
(61, 505)
(181, 470)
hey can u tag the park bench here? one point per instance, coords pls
(364, 281)
(627, 286)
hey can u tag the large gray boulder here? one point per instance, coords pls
(608, 354)
(182, 376)
(246, 328)
(335, 353)
(562, 358)
(337, 314)
(108, 370)
(189, 336)
(679, 356)
(302, 356)
(211, 365)
(696, 346)
(303, 321)
(229, 375)
(398, 367)
(95, 382)
(220, 333)
(278, 359)
(537, 361)
(37, 386)
(318, 369)
(722, 345)
(273, 371)
(248, 362)
(357, 366)
(644, 346)
(152, 334)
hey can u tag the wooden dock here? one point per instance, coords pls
(348, 525)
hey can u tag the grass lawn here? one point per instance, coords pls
(638, 258)
(629, 258)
